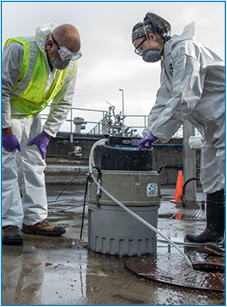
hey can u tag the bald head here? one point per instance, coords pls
(68, 36)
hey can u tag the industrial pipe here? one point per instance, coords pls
(183, 190)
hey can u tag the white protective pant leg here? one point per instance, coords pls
(212, 166)
(30, 168)
(12, 210)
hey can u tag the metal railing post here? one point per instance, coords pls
(71, 125)
(145, 121)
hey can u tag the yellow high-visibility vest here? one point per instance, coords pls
(28, 96)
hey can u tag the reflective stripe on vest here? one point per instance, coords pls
(28, 96)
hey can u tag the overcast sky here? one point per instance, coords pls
(109, 62)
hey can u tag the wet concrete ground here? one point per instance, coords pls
(64, 271)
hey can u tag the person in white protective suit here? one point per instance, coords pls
(192, 88)
(35, 71)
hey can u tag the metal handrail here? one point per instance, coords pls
(97, 129)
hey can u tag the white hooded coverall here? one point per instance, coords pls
(24, 171)
(193, 88)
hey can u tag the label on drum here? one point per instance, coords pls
(152, 189)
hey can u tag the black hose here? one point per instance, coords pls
(69, 184)
(85, 196)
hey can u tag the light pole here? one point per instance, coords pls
(122, 111)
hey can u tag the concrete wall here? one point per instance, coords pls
(61, 146)
(169, 156)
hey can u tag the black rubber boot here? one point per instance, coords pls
(215, 219)
(217, 249)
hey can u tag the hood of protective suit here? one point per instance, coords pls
(187, 34)
(41, 34)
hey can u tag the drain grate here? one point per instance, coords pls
(172, 269)
(186, 214)
(169, 210)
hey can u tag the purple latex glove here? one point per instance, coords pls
(147, 142)
(41, 141)
(10, 142)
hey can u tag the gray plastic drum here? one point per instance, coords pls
(112, 230)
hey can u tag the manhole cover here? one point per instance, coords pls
(173, 269)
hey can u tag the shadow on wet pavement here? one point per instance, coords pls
(64, 271)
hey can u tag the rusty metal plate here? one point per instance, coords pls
(173, 269)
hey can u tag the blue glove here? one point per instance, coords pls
(10, 142)
(41, 141)
(147, 142)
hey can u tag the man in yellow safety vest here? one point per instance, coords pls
(35, 71)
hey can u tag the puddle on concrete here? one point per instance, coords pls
(63, 271)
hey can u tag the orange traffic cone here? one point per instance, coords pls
(179, 188)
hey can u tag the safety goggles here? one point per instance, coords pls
(138, 51)
(65, 53)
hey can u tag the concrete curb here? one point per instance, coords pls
(65, 173)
